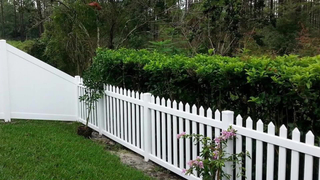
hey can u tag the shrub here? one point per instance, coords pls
(25, 46)
(285, 89)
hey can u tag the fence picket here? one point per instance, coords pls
(125, 119)
(97, 114)
(181, 140)
(238, 148)
(118, 113)
(175, 142)
(228, 120)
(85, 109)
(158, 129)
(270, 155)
(259, 153)
(169, 135)
(81, 104)
(133, 118)
(129, 119)
(114, 120)
(249, 150)
(92, 114)
(209, 128)
(194, 131)
(121, 116)
(153, 128)
(201, 113)
(163, 131)
(282, 155)
(295, 156)
(308, 160)
(138, 119)
(217, 116)
(188, 141)
(106, 111)
(141, 124)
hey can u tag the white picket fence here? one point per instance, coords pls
(148, 126)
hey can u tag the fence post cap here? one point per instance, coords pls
(146, 96)
(227, 112)
(77, 79)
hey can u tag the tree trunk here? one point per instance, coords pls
(15, 15)
(98, 31)
(111, 35)
(40, 17)
(21, 15)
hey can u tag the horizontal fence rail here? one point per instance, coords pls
(149, 125)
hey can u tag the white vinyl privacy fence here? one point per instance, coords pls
(32, 89)
(148, 125)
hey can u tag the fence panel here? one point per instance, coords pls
(149, 126)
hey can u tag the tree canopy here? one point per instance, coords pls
(67, 33)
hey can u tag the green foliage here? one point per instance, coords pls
(69, 37)
(166, 47)
(25, 46)
(94, 89)
(73, 29)
(284, 89)
(34, 47)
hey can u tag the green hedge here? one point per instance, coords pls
(284, 90)
(25, 46)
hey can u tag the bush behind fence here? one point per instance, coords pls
(284, 89)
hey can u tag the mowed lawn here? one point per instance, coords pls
(52, 150)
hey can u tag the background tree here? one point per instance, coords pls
(67, 33)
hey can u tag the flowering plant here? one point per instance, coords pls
(213, 155)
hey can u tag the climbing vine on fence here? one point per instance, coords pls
(283, 89)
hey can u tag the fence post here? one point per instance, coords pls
(77, 81)
(147, 125)
(227, 120)
(102, 113)
(4, 70)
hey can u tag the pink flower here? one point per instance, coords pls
(225, 135)
(201, 164)
(181, 134)
(184, 171)
(217, 140)
(190, 163)
(215, 154)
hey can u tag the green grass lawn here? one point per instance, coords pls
(52, 150)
